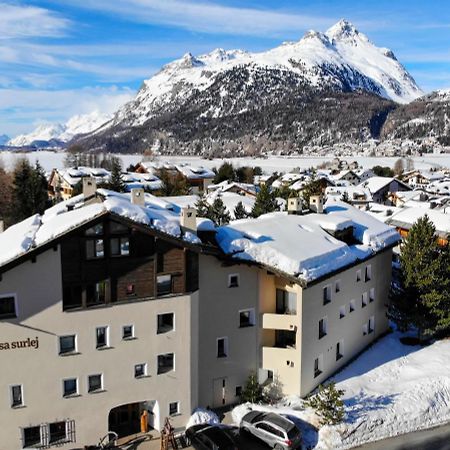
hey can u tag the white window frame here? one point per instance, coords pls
(225, 347)
(327, 291)
(364, 299)
(342, 312)
(325, 327)
(252, 317)
(74, 351)
(16, 306)
(161, 314)
(371, 325)
(338, 286)
(371, 295)
(145, 374)
(128, 338)
(237, 277)
(174, 362)
(352, 306)
(358, 275)
(319, 365)
(12, 398)
(368, 273)
(107, 344)
(177, 413)
(341, 349)
(77, 391)
(101, 388)
(365, 329)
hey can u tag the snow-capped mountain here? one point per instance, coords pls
(4, 139)
(230, 94)
(58, 134)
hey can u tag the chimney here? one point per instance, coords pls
(316, 204)
(2, 226)
(188, 219)
(89, 187)
(294, 205)
(138, 196)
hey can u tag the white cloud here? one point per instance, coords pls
(19, 109)
(17, 21)
(209, 17)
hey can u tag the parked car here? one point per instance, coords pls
(210, 437)
(275, 430)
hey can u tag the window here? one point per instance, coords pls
(371, 324)
(57, 431)
(352, 305)
(318, 366)
(371, 295)
(368, 273)
(117, 228)
(127, 332)
(130, 290)
(102, 338)
(342, 312)
(70, 387)
(174, 408)
(247, 318)
(222, 347)
(96, 293)
(165, 323)
(166, 363)
(365, 329)
(140, 370)
(338, 286)
(358, 275)
(67, 344)
(238, 392)
(94, 248)
(71, 297)
(16, 396)
(323, 327)
(96, 230)
(364, 300)
(285, 338)
(8, 307)
(286, 302)
(164, 284)
(339, 350)
(31, 436)
(120, 246)
(233, 280)
(327, 294)
(95, 383)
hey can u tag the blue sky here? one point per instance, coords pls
(64, 57)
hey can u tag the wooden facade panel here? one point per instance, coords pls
(140, 280)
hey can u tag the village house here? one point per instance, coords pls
(133, 305)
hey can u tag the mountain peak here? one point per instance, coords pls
(342, 29)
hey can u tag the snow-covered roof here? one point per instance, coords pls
(354, 192)
(300, 246)
(406, 217)
(73, 175)
(195, 173)
(39, 230)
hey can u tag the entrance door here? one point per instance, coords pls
(219, 392)
(125, 419)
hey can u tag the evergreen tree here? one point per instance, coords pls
(265, 202)
(30, 190)
(313, 187)
(328, 404)
(173, 184)
(218, 212)
(115, 182)
(225, 172)
(6, 192)
(345, 197)
(202, 207)
(252, 391)
(422, 295)
(240, 212)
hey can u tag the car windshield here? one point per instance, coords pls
(293, 433)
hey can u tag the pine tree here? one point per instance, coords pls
(265, 202)
(422, 295)
(252, 391)
(328, 404)
(225, 172)
(30, 190)
(345, 197)
(240, 212)
(115, 182)
(313, 187)
(202, 207)
(218, 212)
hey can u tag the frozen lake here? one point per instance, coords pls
(50, 160)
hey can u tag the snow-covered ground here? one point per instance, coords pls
(50, 160)
(390, 389)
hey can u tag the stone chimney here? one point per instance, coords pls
(188, 219)
(138, 196)
(294, 205)
(316, 203)
(89, 187)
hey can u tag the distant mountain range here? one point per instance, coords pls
(4, 139)
(57, 135)
(328, 87)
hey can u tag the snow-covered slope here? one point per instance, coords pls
(61, 133)
(342, 59)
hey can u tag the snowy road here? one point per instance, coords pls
(434, 439)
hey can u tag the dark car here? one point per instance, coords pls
(210, 437)
(275, 430)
